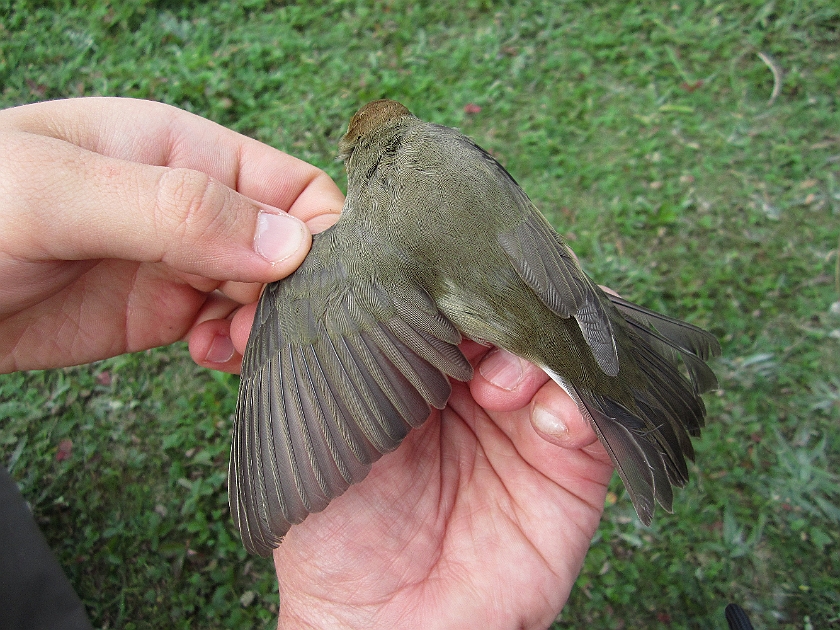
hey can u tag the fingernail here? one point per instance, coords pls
(278, 236)
(502, 369)
(546, 422)
(221, 350)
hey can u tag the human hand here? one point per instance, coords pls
(480, 519)
(477, 520)
(127, 224)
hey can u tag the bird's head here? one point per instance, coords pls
(373, 117)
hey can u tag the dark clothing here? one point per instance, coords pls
(34, 592)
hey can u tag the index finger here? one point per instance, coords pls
(161, 135)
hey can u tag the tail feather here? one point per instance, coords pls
(671, 441)
(670, 388)
(671, 338)
(697, 341)
(638, 462)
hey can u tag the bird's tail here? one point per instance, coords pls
(648, 435)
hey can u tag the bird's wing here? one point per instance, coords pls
(645, 428)
(335, 374)
(547, 266)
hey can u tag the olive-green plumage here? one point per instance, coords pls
(436, 241)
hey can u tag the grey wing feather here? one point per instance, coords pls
(640, 464)
(318, 404)
(547, 266)
(647, 435)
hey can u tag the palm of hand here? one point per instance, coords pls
(70, 312)
(474, 521)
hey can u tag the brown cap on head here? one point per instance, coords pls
(370, 117)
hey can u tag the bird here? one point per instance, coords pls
(436, 243)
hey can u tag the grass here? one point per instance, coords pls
(649, 134)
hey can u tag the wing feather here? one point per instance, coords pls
(673, 337)
(323, 396)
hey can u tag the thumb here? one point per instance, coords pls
(73, 204)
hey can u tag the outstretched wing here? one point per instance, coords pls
(335, 374)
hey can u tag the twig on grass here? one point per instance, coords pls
(777, 77)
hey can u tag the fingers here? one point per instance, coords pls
(168, 187)
(61, 202)
(211, 346)
(240, 326)
(556, 418)
(505, 382)
(161, 135)
(220, 343)
(322, 222)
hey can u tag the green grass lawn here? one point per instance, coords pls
(689, 150)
